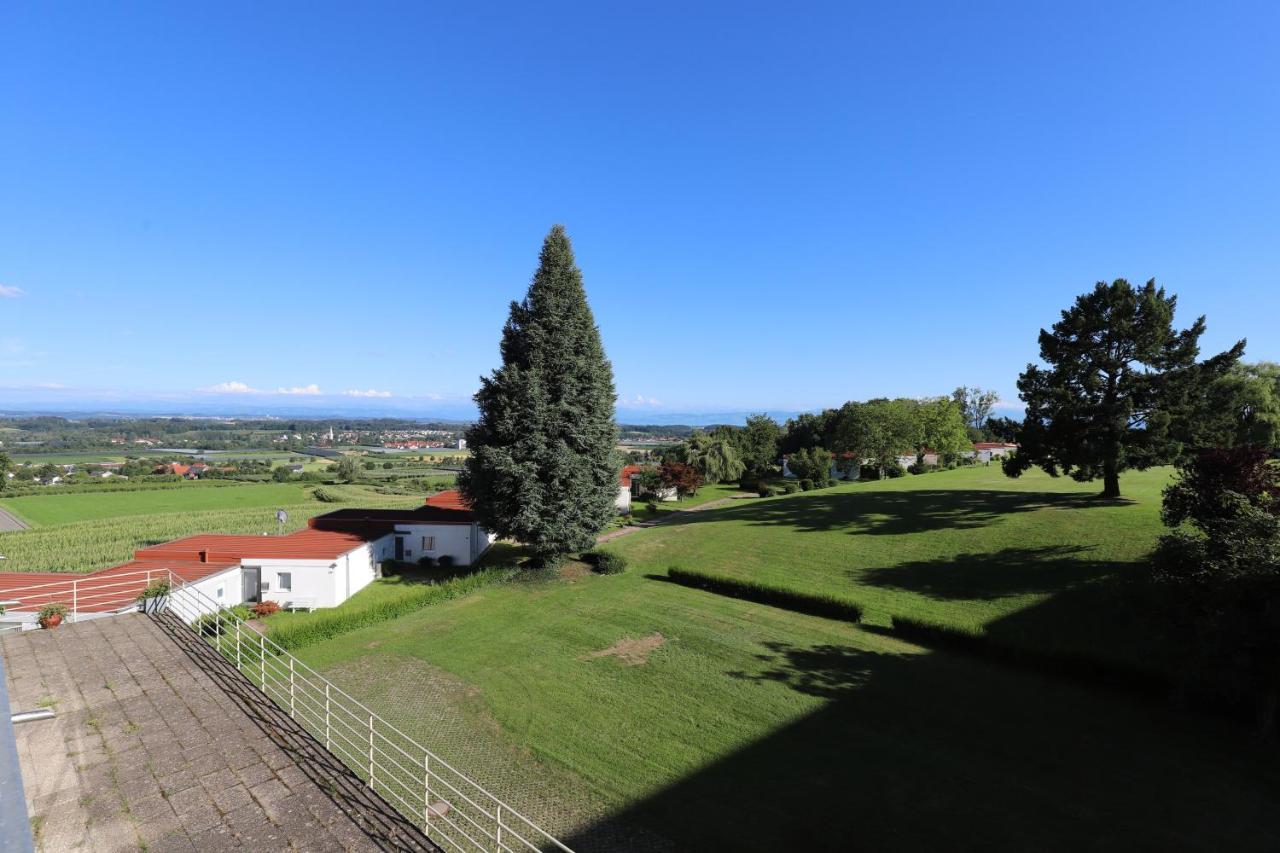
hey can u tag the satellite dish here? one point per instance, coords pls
(282, 516)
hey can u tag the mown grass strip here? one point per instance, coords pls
(826, 606)
(303, 629)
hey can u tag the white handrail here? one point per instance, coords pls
(95, 593)
(363, 744)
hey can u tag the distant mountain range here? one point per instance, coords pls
(339, 408)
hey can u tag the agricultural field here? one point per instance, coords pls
(1036, 561)
(626, 712)
(100, 541)
(50, 509)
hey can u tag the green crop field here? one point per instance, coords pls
(50, 509)
(628, 712)
(87, 545)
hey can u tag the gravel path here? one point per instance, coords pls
(670, 517)
(9, 521)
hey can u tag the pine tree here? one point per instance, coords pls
(543, 468)
(1120, 388)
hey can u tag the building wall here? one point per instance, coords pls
(225, 588)
(623, 501)
(455, 540)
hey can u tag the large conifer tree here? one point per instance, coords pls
(1120, 388)
(543, 467)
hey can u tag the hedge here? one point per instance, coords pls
(303, 629)
(826, 606)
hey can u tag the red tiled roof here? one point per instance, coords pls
(628, 471)
(306, 544)
(452, 499)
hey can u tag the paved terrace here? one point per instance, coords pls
(161, 745)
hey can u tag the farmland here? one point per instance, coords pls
(107, 537)
(625, 711)
(51, 509)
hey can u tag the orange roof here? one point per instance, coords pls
(306, 544)
(627, 472)
(452, 499)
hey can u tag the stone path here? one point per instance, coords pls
(9, 521)
(670, 517)
(161, 745)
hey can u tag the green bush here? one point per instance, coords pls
(827, 606)
(765, 490)
(806, 485)
(605, 562)
(303, 629)
(445, 561)
(326, 496)
(426, 561)
(790, 488)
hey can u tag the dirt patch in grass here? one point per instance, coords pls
(630, 651)
(574, 569)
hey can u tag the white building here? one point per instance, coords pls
(985, 451)
(323, 565)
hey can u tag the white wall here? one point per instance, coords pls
(623, 501)
(454, 540)
(228, 582)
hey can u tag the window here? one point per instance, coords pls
(219, 593)
(428, 543)
(285, 581)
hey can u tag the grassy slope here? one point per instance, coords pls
(87, 545)
(1034, 560)
(757, 728)
(51, 509)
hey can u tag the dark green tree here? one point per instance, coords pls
(758, 444)
(1119, 387)
(543, 469)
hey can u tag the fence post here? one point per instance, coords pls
(371, 750)
(262, 661)
(327, 744)
(499, 826)
(291, 685)
(239, 665)
(426, 791)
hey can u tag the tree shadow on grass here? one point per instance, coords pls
(937, 751)
(995, 574)
(881, 512)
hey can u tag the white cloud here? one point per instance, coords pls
(639, 401)
(11, 291)
(356, 392)
(304, 389)
(52, 386)
(232, 387)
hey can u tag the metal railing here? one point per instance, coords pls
(450, 808)
(92, 594)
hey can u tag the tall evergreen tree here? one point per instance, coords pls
(1120, 386)
(543, 469)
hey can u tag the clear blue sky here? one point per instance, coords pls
(774, 206)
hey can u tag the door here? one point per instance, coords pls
(251, 578)
(399, 548)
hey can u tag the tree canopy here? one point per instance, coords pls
(1119, 385)
(543, 468)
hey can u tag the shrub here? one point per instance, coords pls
(806, 485)
(53, 607)
(326, 496)
(605, 562)
(790, 489)
(815, 605)
(765, 490)
(893, 471)
(920, 468)
(426, 561)
(652, 506)
(155, 589)
(265, 608)
(445, 561)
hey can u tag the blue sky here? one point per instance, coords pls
(775, 207)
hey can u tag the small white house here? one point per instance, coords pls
(843, 467)
(985, 451)
(323, 565)
(629, 489)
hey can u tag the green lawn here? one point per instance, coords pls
(54, 508)
(625, 712)
(1035, 561)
